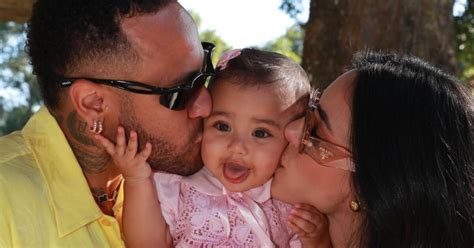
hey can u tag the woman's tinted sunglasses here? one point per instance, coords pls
(325, 153)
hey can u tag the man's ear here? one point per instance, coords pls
(88, 100)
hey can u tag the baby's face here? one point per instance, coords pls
(243, 137)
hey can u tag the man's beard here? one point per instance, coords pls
(165, 156)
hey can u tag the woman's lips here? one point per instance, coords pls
(235, 173)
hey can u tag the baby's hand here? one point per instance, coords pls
(133, 165)
(311, 226)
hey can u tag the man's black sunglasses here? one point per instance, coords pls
(174, 98)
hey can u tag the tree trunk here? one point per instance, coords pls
(15, 10)
(336, 29)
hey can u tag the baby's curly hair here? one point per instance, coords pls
(66, 35)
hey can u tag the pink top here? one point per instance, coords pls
(201, 213)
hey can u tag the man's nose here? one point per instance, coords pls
(201, 106)
(293, 132)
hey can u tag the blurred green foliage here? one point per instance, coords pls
(19, 95)
(292, 7)
(464, 26)
(290, 44)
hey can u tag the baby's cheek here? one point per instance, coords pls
(210, 148)
(272, 155)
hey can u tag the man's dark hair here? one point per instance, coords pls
(65, 35)
(254, 68)
(412, 142)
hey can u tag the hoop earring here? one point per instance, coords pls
(97, 127)
(355, 205)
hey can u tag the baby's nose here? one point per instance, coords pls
(238, 146)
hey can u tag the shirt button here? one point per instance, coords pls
(106, 222)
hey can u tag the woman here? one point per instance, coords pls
(387, 154)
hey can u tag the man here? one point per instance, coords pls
(100, 64)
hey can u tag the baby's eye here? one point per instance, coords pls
(222, 127)
(260, 133)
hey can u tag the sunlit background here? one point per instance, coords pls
(246, 23)
(228, 24)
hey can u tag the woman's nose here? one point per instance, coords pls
(293, 132)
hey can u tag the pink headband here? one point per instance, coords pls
(226, 57)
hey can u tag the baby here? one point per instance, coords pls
(228, 202)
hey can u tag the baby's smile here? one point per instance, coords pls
(235, 172)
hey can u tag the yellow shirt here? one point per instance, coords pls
(44, 197)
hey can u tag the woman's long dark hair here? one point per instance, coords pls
(412, 140)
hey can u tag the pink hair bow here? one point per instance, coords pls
(226, 57)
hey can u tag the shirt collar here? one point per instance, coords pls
(68, 191)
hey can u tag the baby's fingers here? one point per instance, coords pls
(121, 142)
(310, 225)
(106, 143)
(308, 222)
(296, 229)
(310, 214)
(301, 226)
(132, 146)
(143, 155)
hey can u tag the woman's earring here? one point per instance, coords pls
(97, 127)
(355, 205)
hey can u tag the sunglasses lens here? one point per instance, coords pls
(180, 100)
